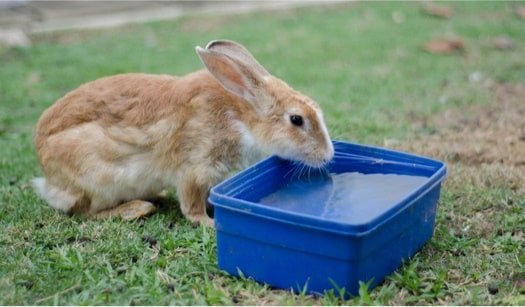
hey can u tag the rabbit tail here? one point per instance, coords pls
(56, 197)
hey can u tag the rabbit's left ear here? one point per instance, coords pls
(235, 75)
(237, 51)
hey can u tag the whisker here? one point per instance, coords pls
(307, 172)
(297, 170)
(324, 171)
(302, 172)
(292, 168)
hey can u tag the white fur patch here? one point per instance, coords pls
(55, 197)
(328, 154)
(250, 152)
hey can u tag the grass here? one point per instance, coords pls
(371, 77)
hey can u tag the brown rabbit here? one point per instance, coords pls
(111, 144)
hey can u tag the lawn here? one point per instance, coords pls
(365, 64)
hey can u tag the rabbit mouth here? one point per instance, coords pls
(308, 161)
(306, 156)
(319, 163)
(315, 161)
(319, 159)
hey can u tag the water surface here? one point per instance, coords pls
(353, 198)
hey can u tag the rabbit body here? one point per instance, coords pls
(128, 137)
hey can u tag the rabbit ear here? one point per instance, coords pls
(234, 75)
(238, 52)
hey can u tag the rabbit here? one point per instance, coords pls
(112, 144)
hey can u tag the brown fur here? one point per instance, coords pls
(191, 130)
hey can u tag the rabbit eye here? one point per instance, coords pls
(297, 120)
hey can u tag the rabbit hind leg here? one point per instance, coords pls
(128, 211)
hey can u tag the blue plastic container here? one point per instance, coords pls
(298, 249)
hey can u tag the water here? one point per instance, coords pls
(352, 198)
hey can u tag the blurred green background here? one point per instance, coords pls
(365, 63)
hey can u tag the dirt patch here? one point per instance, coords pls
(479, 134)
(484, 147)
(486, 141)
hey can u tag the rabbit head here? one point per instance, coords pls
(285, 122)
